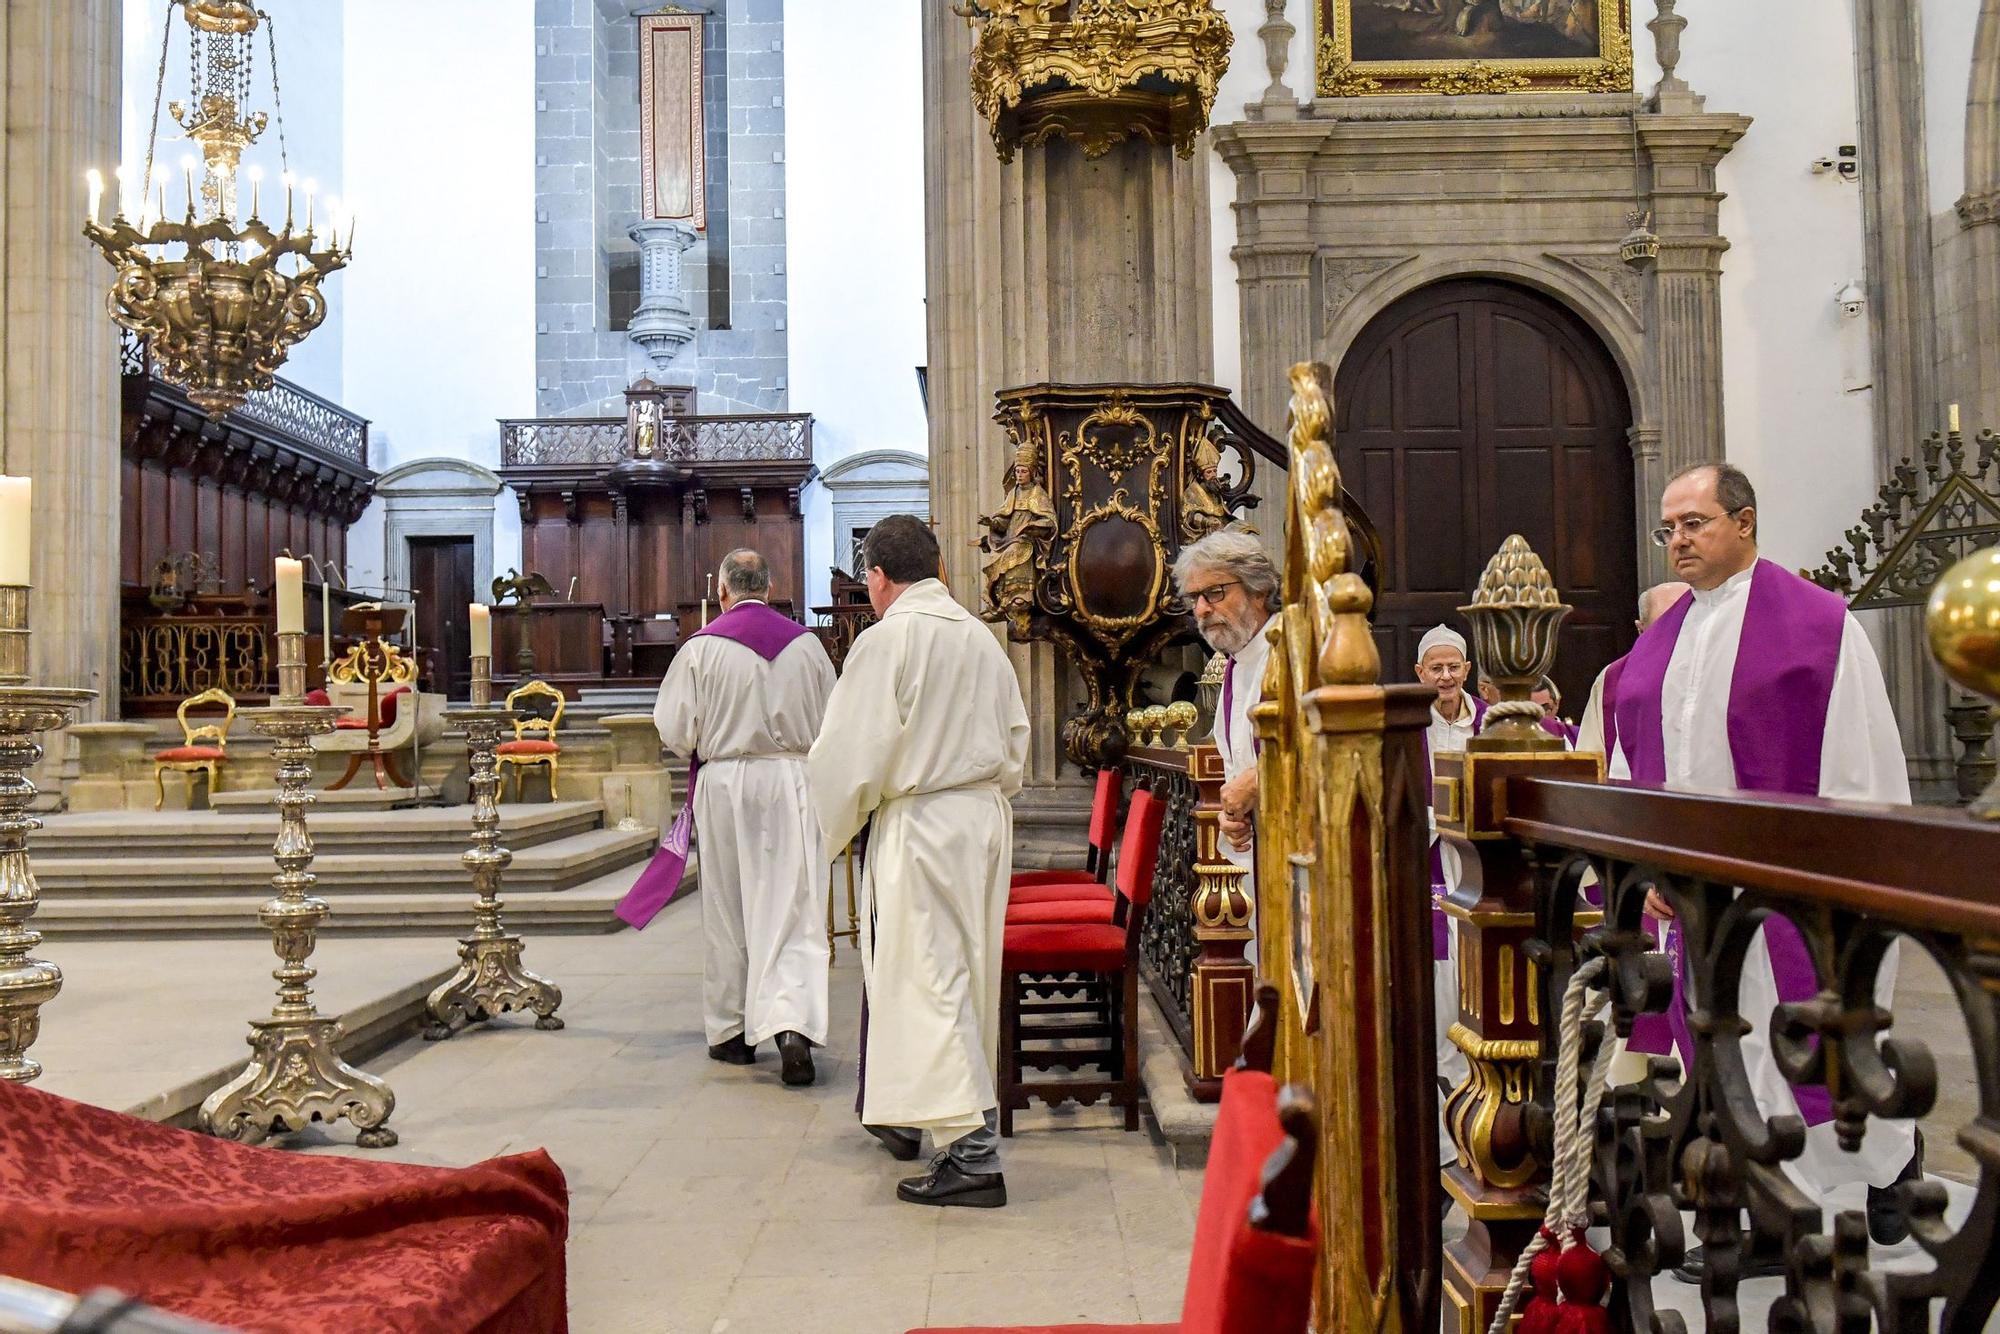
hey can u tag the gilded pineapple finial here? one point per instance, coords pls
(1514, 614)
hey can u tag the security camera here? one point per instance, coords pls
(1852, 300)
(1846, 164)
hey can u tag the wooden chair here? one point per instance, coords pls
(1256, 1243)
(1097, 1023)
(378, 686)
(196, 754)
(534, 736)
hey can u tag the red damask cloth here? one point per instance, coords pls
(262, 1240)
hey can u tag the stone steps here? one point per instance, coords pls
(204, 834)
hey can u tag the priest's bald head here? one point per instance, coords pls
(1230, 585)
(1708, 524)
(899, 551)
(745, 576)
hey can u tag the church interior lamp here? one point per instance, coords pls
(219, 295)
(1096, 72)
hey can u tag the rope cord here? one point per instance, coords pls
(1569, 1174)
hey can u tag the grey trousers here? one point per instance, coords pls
(978, 1154)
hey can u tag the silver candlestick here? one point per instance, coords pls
(295, 1074)
(491, 979)
(26, 984)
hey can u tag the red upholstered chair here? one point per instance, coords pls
(203, 747)
(1100, 1023)
(1255, 1243)
(1087, 882)
(253, 1238)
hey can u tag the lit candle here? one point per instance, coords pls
(309, 188)
(256, 184)
(482, 629)
(187, 173)
(1954, 419)
(96, 179)
(291, 596)
(287, 178)
(14, 530)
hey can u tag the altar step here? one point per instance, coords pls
(199, 874)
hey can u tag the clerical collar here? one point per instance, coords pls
(1727, 589)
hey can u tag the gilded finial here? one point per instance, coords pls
(1182, 716)
(1963, 621)
(1514, 614)
(1340, 600)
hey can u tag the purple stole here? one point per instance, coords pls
(1440, 924)
(1779, 695)
(767, 634)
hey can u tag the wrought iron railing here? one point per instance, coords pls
(1853, 880)
(1167, 945)
(163, 661)
(297, 413)
(573, 441)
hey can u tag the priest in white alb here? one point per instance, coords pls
(1757, 680)
(744, 699)
(925, 742)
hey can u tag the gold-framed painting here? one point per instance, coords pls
(1453, 47)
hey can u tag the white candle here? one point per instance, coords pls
(1954, 419)
(291, 596)
(15, 530)
(482, 630)
(96, 179)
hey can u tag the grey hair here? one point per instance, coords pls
(1239, 553)
(745, 574)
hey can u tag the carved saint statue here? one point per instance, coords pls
(1017, 534)
(1202, 510)
(644, 431)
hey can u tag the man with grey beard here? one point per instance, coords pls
(1231, 586)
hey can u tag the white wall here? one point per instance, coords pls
(1948, 30)
(439, 105)
(1796, 238)
(309, 34)
(1244, 82)
(854, 235)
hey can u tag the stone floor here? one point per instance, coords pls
(712, 1200)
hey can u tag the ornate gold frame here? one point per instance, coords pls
(1339, 74)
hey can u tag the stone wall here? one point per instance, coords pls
(587, 180)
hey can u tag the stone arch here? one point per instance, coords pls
(436, 497)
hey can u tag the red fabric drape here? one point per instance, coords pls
(263, 1240)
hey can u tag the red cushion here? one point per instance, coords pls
(1053, 1329)
(230, 1234)
(1269, 1285)
(527, 748)
(386, 706)
(319, 697)
(1140, 848)
(1246, 1130)
(1044, 947)
(348, 722)
(1076, 891)
(1074, 910)
(189, 753)
(1066, 875)
(1104, 809)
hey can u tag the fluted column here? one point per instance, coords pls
(58, 349)
(1051, 267)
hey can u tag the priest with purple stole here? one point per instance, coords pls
(744, 699)
(1759, 681)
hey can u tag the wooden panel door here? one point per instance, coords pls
(1474, 409)
(441, 574)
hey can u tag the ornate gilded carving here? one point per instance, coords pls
(1018, 534)
(1476, 77)
(1097, 72)
(1514, 615)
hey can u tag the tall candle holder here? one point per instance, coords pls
(491, 979)
(295, 1074)
(26, 711)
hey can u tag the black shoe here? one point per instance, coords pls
(1695, 1267)
(735, 1051)
(903, 1145)
(945, 1185)
(798, 1058)
(1888, 1225)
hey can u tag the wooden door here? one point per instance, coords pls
(1473, 409)
(441, 574)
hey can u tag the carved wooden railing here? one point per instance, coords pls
(288, 413)
(566, 442)
(1853, 879)
(163, 660)
(1192, 945)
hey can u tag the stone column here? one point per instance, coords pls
(59, 418)
(1686, 316)
(1052, 267)
(663, 324)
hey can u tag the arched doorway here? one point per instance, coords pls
(1472, 409)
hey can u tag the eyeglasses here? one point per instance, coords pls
(1690, 526)
(1212, 595)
